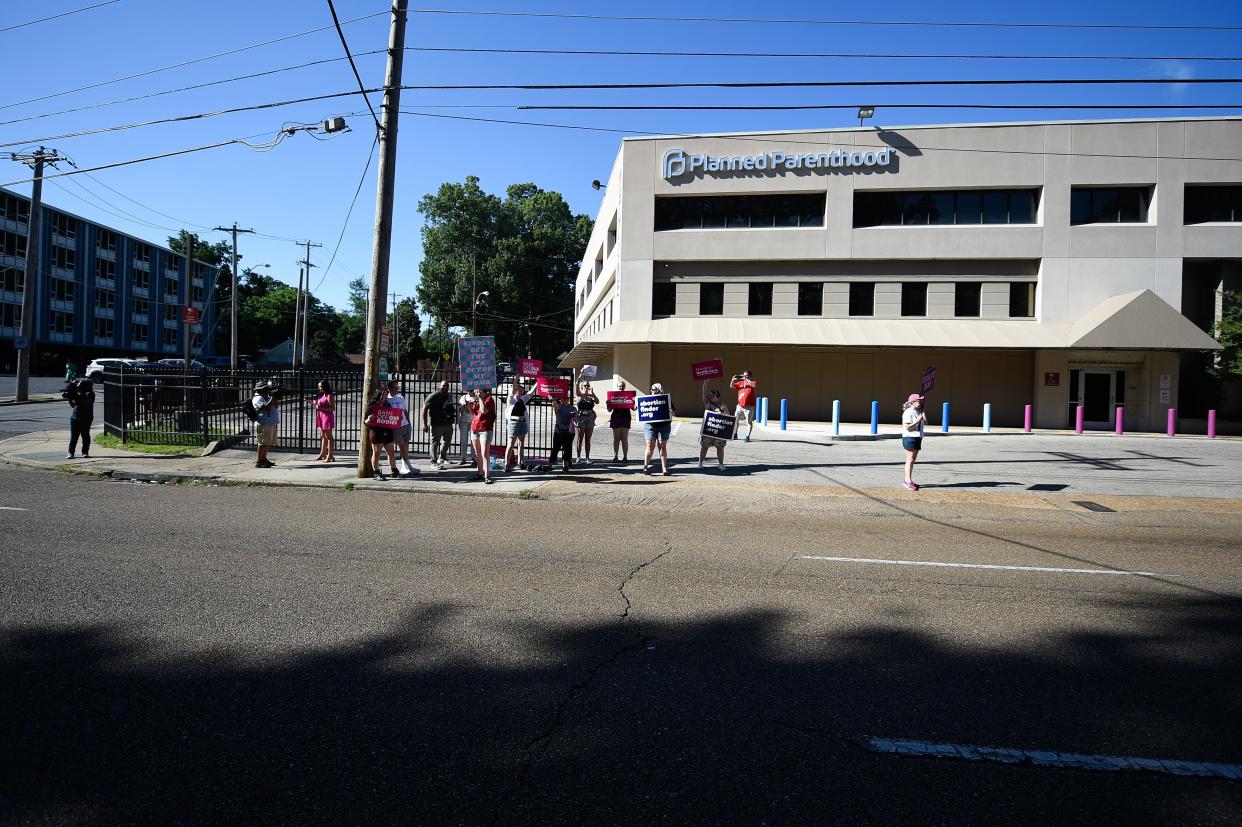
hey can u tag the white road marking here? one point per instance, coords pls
(1050, 758)
(12, 508)
(1050, 569)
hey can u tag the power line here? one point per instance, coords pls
(56, 16)
(881, 105)
(827, 55)
(350, 212)
(820, 84)
(182, 64)
(337, 22)
(823, 22)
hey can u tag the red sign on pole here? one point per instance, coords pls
(530, 368)
(711, 369)
(1052, 379)
(552, 387)
(190, 315)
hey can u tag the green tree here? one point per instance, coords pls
(213, 254)
(524, 250)
(1228, 331)
(410, 326)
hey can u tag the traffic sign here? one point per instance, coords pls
(384, 338)
(21, 343)
(190, 314)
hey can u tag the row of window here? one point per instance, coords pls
(1088, 205)
(12, 280)
(967, 299)
(62, 323)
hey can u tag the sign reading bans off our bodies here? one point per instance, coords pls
(654, 408)
(718, 425)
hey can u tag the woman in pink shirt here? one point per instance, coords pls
(325, 421)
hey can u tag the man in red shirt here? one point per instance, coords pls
(745, 386)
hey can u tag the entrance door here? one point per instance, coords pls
(1098, 394)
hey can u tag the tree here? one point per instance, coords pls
(524, 250)
(1228, 331)
(410, 326)
(213, 254)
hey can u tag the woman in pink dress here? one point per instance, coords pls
(325, 421)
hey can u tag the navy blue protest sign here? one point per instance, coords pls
(718, 425)
(654, 408)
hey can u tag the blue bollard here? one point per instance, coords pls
(836, 417)
(875, 417)
(784, 414)
(761, 410)
(944, 418)
(987, 417)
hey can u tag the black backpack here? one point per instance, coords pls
(248, 409)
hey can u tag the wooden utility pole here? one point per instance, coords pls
(382, 248)
(191, 241)
(30, 284)
(297, 317)
(233, 303)
(396, 334)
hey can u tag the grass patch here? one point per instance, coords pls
(111, 441)
(527, 494)
(349, 486)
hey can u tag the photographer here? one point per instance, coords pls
(80, 394)
(266, 402)
(745, 387)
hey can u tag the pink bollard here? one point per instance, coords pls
(1211, 424)
(1078, 418)
(1026, 419)
(1121, 418)
(1172, 421)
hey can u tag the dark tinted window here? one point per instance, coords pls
(663, 298)
(1109, 205)
(880, 209)
(810, 299)
(1022, 299)
(966, 296)
(711, 299)
(914, 298)
(862, 298)
(760, 303)
(1205, 204)
(739, 211)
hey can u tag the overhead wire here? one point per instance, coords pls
(345, 45)
(57, 16)
(821, 55)
(877, 104)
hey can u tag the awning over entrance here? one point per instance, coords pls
(586, 353)
(1138, 321)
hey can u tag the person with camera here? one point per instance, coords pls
(745, 386)
(266, 404)
(516, 425)
(80, 394)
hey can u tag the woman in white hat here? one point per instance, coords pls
(657, 434)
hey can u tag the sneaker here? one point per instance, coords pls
(267, 463)
(666, 473)
(379, 475)
(410, 469)
(916, 485)
(647, 470)
(721, 467)
(909, 486)
(700, 465)
(746, 438)
(85, 455)
(69, 455)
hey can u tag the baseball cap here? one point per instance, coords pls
(914, 397)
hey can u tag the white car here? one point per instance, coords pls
(95, 370)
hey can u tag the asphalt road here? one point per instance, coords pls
(206, 655)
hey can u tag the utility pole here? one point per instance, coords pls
(191, 242)
(396, 332)
(30, 284)
(474, 293)
(301, 308)
(233, 303)
(297, 315)
(306, 299)
(382, 249)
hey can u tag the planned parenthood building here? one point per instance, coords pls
(100, 292)
(1044, 263)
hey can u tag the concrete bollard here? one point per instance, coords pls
(1121, 420)
(1079, 414)
(1211, 425)
(1026, 419)
(1172, 421)
(987, 417)
(875, 417)
(784, 414)
(836, 417)
(944, 418)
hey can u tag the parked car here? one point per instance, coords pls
(225, 363)
(95, 370)
(179, 364)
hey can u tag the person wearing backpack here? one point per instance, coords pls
(516, 427)
(81, 397)
(439, 415)
(266, 409)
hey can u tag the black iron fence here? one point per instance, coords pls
(171, 407)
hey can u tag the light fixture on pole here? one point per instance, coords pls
(597, 186)
(865, 112)
(474, 319)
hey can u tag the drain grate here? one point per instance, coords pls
(1047, 486)
(1094, 506)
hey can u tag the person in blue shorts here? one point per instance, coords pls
(657, 434)
(913, 420)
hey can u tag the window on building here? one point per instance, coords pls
(105, 298)
(914, 298)
(64, 258)
(142, 252)
(811, 298)
(141, 279)
(196, 294)
(967, 296)
(63, 290)
(141, 306)
(10, 315)
(711, 299)
(64, 225)
(170, 337)
(12, 279)
(62, 322)
(104, 328)
(663, 298)
(862, 298)
(105, 269)
(759, 302)
(12, 244)
(14, 208)
(739, 211)
(1022, 299)
(171, 288)
(171, 312)
(139, 332)
(893, 209)
(1205, 203)
(174, 262)
(1109, 205)
(108, 240)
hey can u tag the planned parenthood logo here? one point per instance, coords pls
(677, 162)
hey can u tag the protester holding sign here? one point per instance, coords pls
(483, 407)
(566, 415)
(587, 400)
(381, 422)
(912, 421)
(657, 431)
(516, 426)
(620, 419)
(745, 386)
(712, 405)
(402, 434)
(463, 429)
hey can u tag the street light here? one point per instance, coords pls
(474, 318)
(865, 112)
(597, 186)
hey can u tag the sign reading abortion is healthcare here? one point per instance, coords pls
(711, 369)
(552, 387)
(718, 425)
(654, 408)
(478, 362)
(621, 399)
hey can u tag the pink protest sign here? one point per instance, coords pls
(529, 367)
(552, 387)
(621, 399)
(711, 369)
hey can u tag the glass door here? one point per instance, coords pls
(1098, 392)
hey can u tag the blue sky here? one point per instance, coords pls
(302, 188)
